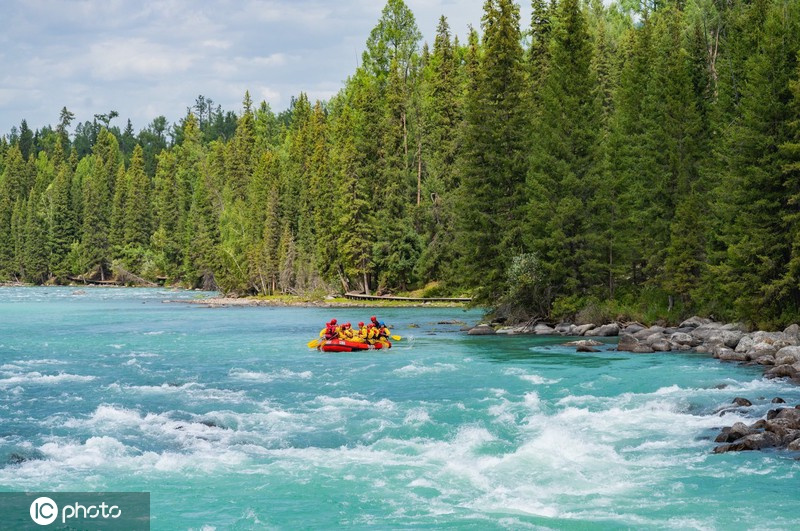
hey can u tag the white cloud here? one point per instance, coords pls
(134, 58)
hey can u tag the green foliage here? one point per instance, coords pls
(616, 166)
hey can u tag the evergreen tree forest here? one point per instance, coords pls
(633, 160)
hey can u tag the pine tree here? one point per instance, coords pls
(138, 219)
(60, 221)
(561, 178)
(753, 192)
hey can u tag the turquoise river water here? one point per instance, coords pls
(231, 422)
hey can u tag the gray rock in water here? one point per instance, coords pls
(482, 330)
(755, 441)
(608, 330)
(733, 433)
(790, 414)
(642, 349)
(584, 348)
(583, 343)
(581, 330)
(778, 400)
(781, 371)
(741, 401)
(627, 343)
(542, 329)
(662, 345)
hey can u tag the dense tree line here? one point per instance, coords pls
(641, 159)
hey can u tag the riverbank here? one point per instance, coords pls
(308, 302)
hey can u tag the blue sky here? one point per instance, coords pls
(151, 58)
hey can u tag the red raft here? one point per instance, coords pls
(341, 345)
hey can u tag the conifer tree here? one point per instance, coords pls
(60, 221)
(753, 191)
(137, 207)
(561, 180)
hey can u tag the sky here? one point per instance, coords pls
(147, 58)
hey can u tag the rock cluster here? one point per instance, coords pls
(779, 430)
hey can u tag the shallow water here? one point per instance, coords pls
(230, 421)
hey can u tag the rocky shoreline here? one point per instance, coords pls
(777, 352)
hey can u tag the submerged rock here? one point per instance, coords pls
(481, 330)
(780, 429)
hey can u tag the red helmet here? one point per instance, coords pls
(361, 324)
(370, 325)
(333, 321)
(347, 325)
(373, 318)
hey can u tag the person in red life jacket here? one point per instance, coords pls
(375, 322)
(331, 330)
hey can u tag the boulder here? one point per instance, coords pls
(781, 371)
(794, 446)
(746, 343)
(731, 337)
(778, 400)
(787, 356)
(727, 354)
(662, 345)
(584, 348)
(732, 433)
(741, 401)
(780, 427)
(542, 329)
(647, 332)
(792, 415)
(608, 330)
(564, 328)
(582, 329)
(760, 349)
(792, 332)
(642, 349)
(763, 360)
(704, 333)
(632, 328)
(682, 338)
(481, 330)
(739, 327)
(583, 343)
(627, 343)
(767, 337)
(755, 441)
(694, 322)
(511, 330)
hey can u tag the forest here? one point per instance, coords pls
(636, 160)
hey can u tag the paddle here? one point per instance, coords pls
(313, 343)
(396, 338)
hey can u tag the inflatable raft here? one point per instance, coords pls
(342, 345)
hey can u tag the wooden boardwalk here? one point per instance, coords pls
(361, 296)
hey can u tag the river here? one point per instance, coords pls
(231, 422)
